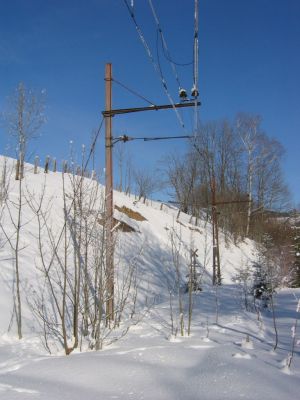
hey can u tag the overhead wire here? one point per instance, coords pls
(169, 58)
(195, 62)
(158, 57)
(92, 149)
(164, 43)
(196, 65)
(196, 45)
(154, 63)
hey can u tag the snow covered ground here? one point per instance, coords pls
(229, 354)
(146, 364)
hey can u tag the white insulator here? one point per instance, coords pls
(182, 93)
(194, 91)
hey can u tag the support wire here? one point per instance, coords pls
(164, 43)
(133, 92)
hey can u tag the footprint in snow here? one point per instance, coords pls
(208, 340)
(247, 344)
(286, 370)
(173, 339)
(240, 355)
(10, 367)
(4, 388)
(121, 353)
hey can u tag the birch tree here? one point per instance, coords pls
(248, 131)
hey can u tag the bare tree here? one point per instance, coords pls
(246, 167)
(146, 183)
(176, 247)
(182, 176)
(271, 190)
(69, 303)
(263, 173)
(248, 128)
(4, 181)
(24, 118)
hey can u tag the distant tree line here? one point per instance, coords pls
(246, 166)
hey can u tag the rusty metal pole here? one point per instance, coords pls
(109, 245)
(219, 278)
(215, 233)
(213, 207)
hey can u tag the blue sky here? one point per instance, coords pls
(249, 60)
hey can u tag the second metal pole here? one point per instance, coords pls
(109, 244)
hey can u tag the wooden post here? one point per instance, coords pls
(109, 195)
(36, 164)
(54, 165)
(22, 164)
(47, 165)
(65, 167)
(18, 169)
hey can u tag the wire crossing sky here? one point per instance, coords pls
(249, 61)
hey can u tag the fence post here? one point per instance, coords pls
(18, 170)
(36, 164)
(65, 167)
(47, 165)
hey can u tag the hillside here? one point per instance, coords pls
(146, 356)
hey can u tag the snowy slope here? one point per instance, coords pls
(150, 245)
(214, 362)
